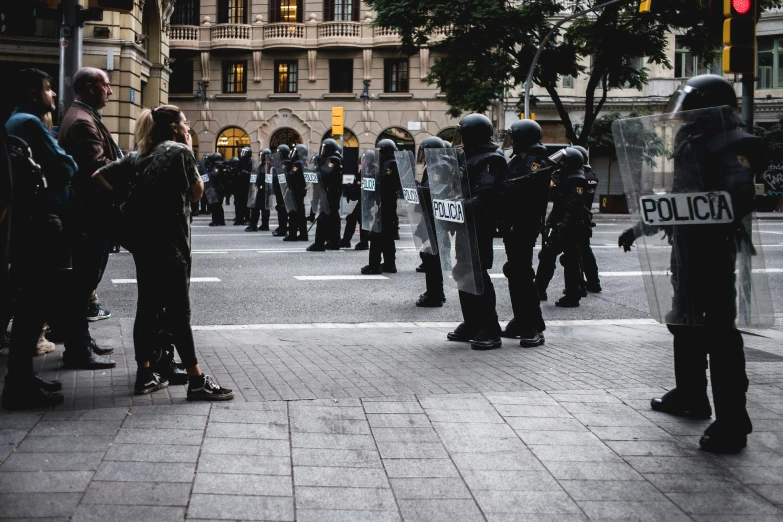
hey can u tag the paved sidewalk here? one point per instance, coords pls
(394, 423)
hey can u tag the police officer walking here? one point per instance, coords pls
(486, 170)
(297, 220)
(382, 243)
(330, 166)
(569, 226)
(259, 208)
(592, 283)
(525, 192)
(282, 213)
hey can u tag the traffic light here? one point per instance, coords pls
(338, 121)
(739, 36)
(122, 6)
(644, 7)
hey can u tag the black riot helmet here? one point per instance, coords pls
(330, 147)
(264, 154)
(474, 130)
(315, 159)
(569, 159)
(387, 149)
(217, 157)
(433, 142)
(368, 158)
(246, 152)
(702, 92)
(284, 150)
(235, 161)
(300, 153)
(585, 155)
(524, 136)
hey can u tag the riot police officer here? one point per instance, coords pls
(259, 208)
(206, 162)
(525, 192)
(353, 192)
(486, 170)
(330, 166)
(297, 220)
(216, 176)
(382, 243)
(591, 281)
(282, 213)
(241, 184)
(711, 154)
(569, 225)
(430, 263)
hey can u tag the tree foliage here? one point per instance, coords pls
(491, 44)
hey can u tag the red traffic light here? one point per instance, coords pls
(741, 6)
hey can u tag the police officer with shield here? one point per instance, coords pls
(710, 262)
(569, 224)
(215, 195)
(485, 171)
(433, 296)
(258, 201)
(382, 237)
(241, 185)
(297, 220)
(282, 212)
(525, 192)
(330, 167)
(591, 281)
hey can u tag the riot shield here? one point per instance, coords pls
(269, 190)
(415, 204)
(282, 176)
(455, 227)
(252, 191)
(692, 199)
(209, 188)
(371, 191)
(316, 191)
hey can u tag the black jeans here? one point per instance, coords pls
(433, 275)
(519, 243)
(162, 284)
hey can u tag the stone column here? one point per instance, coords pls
(257, 66)
(311, 63)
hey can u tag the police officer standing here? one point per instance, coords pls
(433, 274)
(297, 220)
(712, 153)
(216, 176)
(353, 192)
(592, 283)
(486, 170)
(330, 165)
(569, 226)
(282, 213)
(382, 243)
(241, 184)
(259, 209)
(525, 191)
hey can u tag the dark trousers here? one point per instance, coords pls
(240, 210)
(327, 227)
(259, 213)
(282, 215)
(218, 217)
(37, 292)
(519, 243)
(478, 311)
(589, 265)
(162, 285)
(297, 220)
(433, 275)
(351, 220)
(572, 270)
(382, 244)
(204, 205)
(724, 346)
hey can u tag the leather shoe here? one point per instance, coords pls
(98, 350)
(596, 288)
(87, 360)
(723, 442)
(420, 268)
(542, 296)
(316, 248)
(460, 334)
(50, 386)
(361, 246)
(531, 339)
(567, 302)
(426, 302)
(303, 237)
(289, 238)
(388, 268)
(278, 232)
(29, 397)
(486, 344)
(673, 404)
(368, 269)
(332, 246)
(344, 243)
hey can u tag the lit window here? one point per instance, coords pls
(286, 76)
(234, 77)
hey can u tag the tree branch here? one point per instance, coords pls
(562, 112)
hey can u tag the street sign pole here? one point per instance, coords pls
(70, 51)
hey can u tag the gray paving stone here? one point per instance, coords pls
(38, 505)
(478, 431)
(402, 420)
(160, 436)
(230, 484)
(88, 415)
(392, 407)
(101, 513)
(19, 421)
(143, 471)
(421, 468)
(696, 483)
(527, 410)
(331, 441)
(309, 497)
(432, 488)
(773, 493)
(52, 462)
(671, 464)
(340, 477)
(498, 461)
(236, 507)
(244, 464)
(599, 419)
(249, 417)
(152, 453)
(151, 493)
(188, 408)
(759, 475)
(494, 480)
(632, 490)
(405, 435)
(630, 433)
(247, 431)
(592, 471)
(411, 450)
(326, 412)
(656, 448)
(554, 438)
(629, 510)
(311, 425)
(336, 458)
(601, 397)
(456, 402)
(271, 406)
(465, 416)
(537, 517)
(271, 447)
(81, 444)
(724, 503)
(324, 515)
(537, 398)
(525, 502)
(440, 510)
(44, 482)
(75, 428)
(593, 453)
(545, 424)
(10, 438)
(162, 420)
(467, 443)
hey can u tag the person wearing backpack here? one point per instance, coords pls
(156, 186)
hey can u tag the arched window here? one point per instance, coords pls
(231, 141)
(350, 150)
(400, 136)
(447, 134)
(284, 136)
(349, 138)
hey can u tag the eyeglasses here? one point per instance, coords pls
(187, 123)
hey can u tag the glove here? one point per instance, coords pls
(626, 239)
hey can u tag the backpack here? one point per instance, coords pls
(28, 178)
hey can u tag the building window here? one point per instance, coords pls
(231, 141)
(770, 63)
(235, 77)
(341, 10)
(286, 11)
(181, 79)
(568, 82)
(286, 75)
(232, 12)
(186, 12)
(636, 63)
(395, 75)
(688, 65)
(340, 75)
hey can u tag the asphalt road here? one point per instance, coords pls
(252, 279)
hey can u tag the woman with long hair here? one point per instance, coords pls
(157, 184)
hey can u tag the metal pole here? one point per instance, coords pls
(748, 91)
(555, 27)
(70, 51)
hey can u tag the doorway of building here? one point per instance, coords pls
(350, 150)
(284, 136)
(231, 141)
(400, 136)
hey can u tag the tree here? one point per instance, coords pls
(490, 45)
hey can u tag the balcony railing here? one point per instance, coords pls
(340, 30)
(187, 33)
(381, 32)
(284, 31)
(230, 32)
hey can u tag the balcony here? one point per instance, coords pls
(235, 36)
(284, 35)
(339, 33)
(385, 36)
(184, 36)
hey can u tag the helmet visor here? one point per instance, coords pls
(457, 140)
(508, 141)
(677, 100)
(420, 158)
(558, 156)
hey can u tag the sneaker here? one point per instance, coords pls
(97, 313)
(204, 388)
(148, 381)
(368, 269)
(43, 346)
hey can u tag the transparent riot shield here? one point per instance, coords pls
(691, 198)
(269, 189)
(282, 176)
(371, 191)
(316, 190)
(415, 204)
(455, 228)
(256, 181)
(209, 188)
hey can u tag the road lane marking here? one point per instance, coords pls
(192, 280)
(636, 273)
(338, 277)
